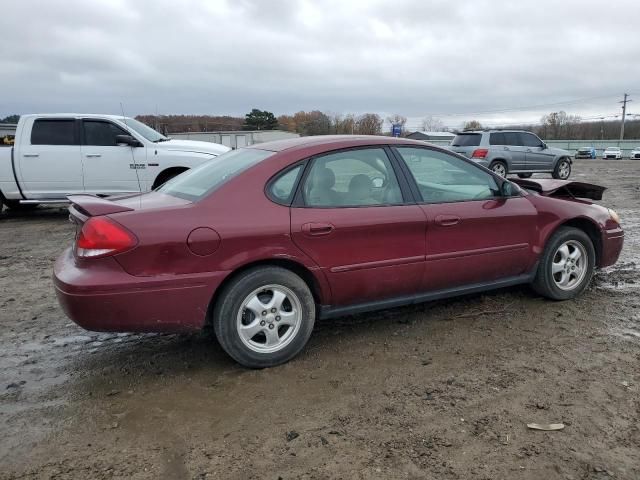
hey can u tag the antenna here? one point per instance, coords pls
(133, 157)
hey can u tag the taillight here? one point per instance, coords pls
(101, 237)
(479, 153)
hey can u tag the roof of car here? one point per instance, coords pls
(73, 115)
(338, 141)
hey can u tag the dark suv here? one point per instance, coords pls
(512, 151)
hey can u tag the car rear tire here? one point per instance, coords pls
(264, 317)
(525, 175)
(499, 168)
(566, 266)
(563, 169)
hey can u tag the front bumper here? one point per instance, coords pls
(612, 241)
(103, 297)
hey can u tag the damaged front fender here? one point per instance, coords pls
(562, 188)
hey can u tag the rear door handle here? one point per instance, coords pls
(31, 155)
(447, 220)
(93, 155)
(317, 229)
(506, 148)
(529, 150)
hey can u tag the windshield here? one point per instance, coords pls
(144, 130)
(198, 182)
(466, 140)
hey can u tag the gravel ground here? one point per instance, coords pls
(442, 390)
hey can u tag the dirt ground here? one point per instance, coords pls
(442, 390)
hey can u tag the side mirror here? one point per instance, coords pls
(508, 189)
(543, 146)
(127, 140)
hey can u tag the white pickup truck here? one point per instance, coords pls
(55, 155)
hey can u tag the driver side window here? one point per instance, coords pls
(352, 178)
(443, 178)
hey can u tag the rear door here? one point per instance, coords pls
(473, 234)
(48, 164)
(537, 157)
(510, 145)
(109, 168)
(353, 219)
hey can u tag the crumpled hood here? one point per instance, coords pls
(193, 146)
(562, 188)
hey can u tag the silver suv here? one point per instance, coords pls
(512, 151)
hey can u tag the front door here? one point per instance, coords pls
(474, 235)
(351, 218)
(49, 165)
(110, 168)
(538, 157)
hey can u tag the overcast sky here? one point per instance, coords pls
(415, 58)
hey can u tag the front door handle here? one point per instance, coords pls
(447, 220)
(93, 155)
(317, 229)
(31, 155)
(529, 150)
(506, 148)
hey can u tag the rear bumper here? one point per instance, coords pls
(103, 297)
(612, 241)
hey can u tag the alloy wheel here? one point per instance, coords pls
(269, 318)
(499, 169)
(570, 265)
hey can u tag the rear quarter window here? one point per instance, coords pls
(467, 140)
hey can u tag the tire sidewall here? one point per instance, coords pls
(230, 301)
(544, 280)
(504, 165)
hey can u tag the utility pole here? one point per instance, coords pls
(624, 114)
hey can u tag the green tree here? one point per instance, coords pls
(260, 120)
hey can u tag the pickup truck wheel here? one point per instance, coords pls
(264, 317)
(525, 175)
(499, 167)
(19, 207)
(566, 266)
(563, 169)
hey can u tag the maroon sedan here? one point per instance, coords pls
(261, 241)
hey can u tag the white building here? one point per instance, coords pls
(238, 138)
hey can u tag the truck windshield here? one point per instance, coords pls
(144, 130)
(198, 182)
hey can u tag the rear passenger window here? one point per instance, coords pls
(362, 177)
(497, 139)
(99, 133)
(282, 188)
(53, 132)
(512, 138)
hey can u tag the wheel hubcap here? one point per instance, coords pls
(269, 318)
(564, 170)
(499, 169)
(569, 265)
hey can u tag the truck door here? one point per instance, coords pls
(109, 168)
(47, 160)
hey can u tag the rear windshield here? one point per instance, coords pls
(198, 182)
(466, 140)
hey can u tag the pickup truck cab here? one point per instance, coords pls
(55, 155)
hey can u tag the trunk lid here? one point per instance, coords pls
(562, 188)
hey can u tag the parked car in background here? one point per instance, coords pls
(612, 153)
(261, 241)
(512, 151)
(586, 152)
(635, 154)
(56, 155)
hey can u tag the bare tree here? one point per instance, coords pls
(432, 124)
(369, 124)
(472, 125)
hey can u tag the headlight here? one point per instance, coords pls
(614, 216)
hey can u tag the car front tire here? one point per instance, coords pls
(566, 266)
(264, 317)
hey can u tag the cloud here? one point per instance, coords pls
(408, 57)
